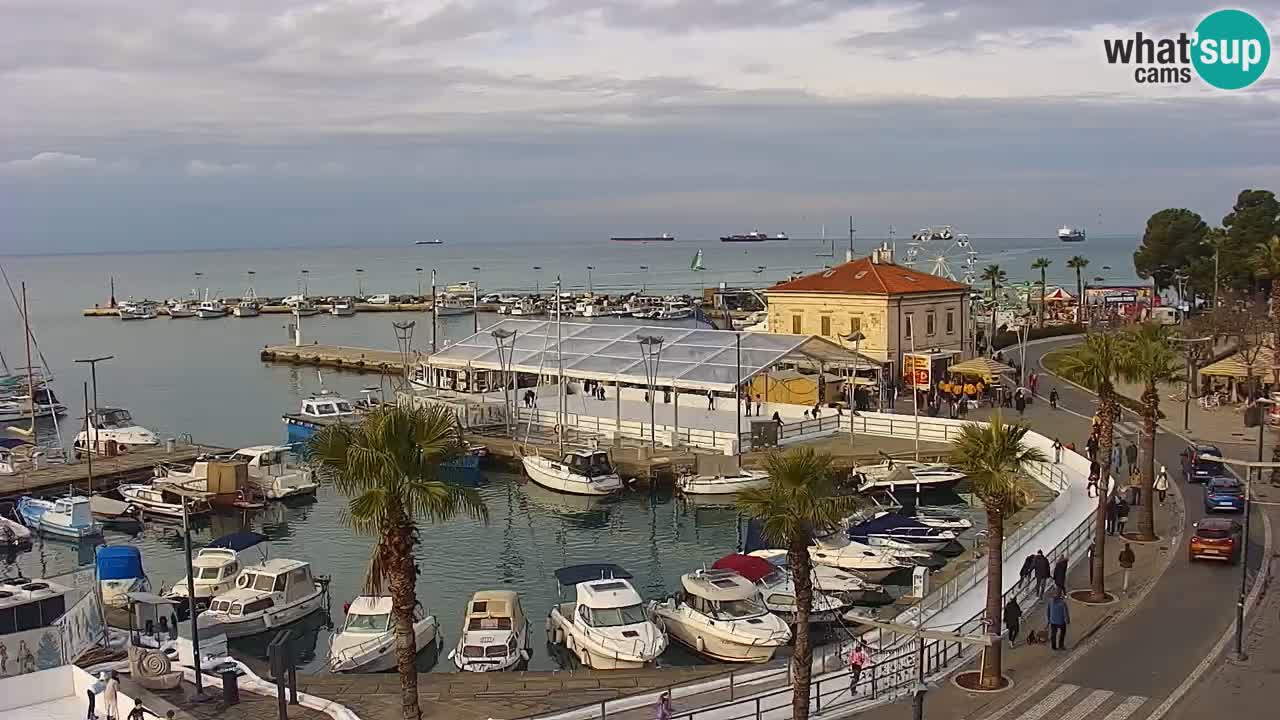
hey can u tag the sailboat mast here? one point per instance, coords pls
(559, 373)
(31, 385)
(850, 258)
(434, 324)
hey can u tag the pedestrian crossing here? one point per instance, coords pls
(1127, 429)
(1072, 702)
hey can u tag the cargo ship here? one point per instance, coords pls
(1071, 234)
(664, 237)
(753, 236)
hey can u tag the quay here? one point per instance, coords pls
(344, 357)
(112, 312)
(108, 472)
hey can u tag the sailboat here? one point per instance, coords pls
(696, 263)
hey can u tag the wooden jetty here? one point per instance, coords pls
(344, 357)
(108, 472)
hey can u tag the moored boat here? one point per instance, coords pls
(718, 614)
(606, 626)
(13, 533)
(112, 430)
(69, 517)
(271, 474)
(904, 477)
(723, 484)
(581, 472)
(896, 531)
(343, 307)
(120, 572)
(367, 642)
(833, 581)
(778, 590)
(215, 567)
(164, 501)
(268, 596)
(495, 633)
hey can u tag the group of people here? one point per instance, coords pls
(1036, 569)
(110, 690)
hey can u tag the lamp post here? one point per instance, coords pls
(305, 289)
(537, 280)
(505, 352)
(644, 284)
(91, 443)
(590, 289)
(419, 272)
(191, 604)
(475, 300)
(359, 282)
(651, 353)
(854, 337)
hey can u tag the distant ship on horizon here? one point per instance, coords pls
(436, 241)
(1067, 233)
(753, 236)
(664, 237)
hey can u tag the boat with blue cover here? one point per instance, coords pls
(120, 572)
(899, 532)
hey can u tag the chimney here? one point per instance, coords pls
(882, 255)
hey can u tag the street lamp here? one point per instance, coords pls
(359, 283)
(651, 353)
(590, 290)
(505, 352)
(419, 272)
(644, 284)
(854, 337)
(537, 280)
(475, 300)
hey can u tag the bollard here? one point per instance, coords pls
(293, 684)
(230, 687)
(168, 445)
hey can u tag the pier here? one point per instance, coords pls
(343, 357)
(114, 312)
(108, 472)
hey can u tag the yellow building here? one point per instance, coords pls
(891, 306)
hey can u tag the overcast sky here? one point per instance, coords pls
(135, 124)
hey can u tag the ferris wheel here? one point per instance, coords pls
(943, 252)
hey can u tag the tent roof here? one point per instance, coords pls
(1236, 366)
(981, 366)
(691, 358)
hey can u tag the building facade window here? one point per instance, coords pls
(797, 324)
(855, 323)
(907, 329)
(951, 322)
(930, 323)
(826, 326)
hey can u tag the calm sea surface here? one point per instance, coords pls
(203, 377)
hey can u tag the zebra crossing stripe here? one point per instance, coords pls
(1126, 708)
(1088, 705)
(1054, 699)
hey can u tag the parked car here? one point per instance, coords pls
(1223, 494)
(1216, 539)
(1196, 468)
(382, 299)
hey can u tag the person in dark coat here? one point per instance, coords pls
(1053, 398)
(1113, 512)
(1020, 401)
(1028, 569)
(1060, 574)
(1122, 515)
(1131, 455)
(1041, 571)
(1012, 617)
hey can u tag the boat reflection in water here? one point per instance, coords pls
(583, 511)
(306, 633)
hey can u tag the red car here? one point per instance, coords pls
(1216, 539)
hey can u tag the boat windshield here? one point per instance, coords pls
(209, 573)
(367, 623)
(612, 617)
(267, 583)
(737, 609)
(594, 465)
(115, 419)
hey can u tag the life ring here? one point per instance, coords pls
(242, 582)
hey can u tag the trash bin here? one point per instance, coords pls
(230, 686)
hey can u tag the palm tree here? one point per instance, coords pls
(1079, 263)
(1148, 358)
(1096, 364)
(799, 500)
(1041, 264)
(1266, 264)
(387, 466)
(995, 459)
(997, 277)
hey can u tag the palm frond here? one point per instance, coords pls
(799, 499)
(996, 459)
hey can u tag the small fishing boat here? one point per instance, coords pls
(674, 311)
(221, 481)
(165, 501)
(449, 304)
(367, 642)
(181, 309)
(69, 517)
(778, 590)
(495, 633)
(725, 484)
(606, 626)
(210, 308)
(246, 308)
(120, 572)
(136, 311)
(13, 533)
(216, 567)
(874, 564)
(581, 472)
(833, 581)
(305, 308)
(267, 597)
(904, 477)
(343, 307)
(112, 430)
(113, 513)
(316, 412)
(941, 518)
(719, 615)
(271, 474)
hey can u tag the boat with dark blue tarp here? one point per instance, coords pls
(890, 530)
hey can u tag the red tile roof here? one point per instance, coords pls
(863, 277)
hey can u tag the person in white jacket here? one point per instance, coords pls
(1161, 485)
(109, 701)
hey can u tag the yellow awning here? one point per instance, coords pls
(1236, 365)
(982, 367)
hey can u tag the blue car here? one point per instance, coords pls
(1196, 468)
(1223, 494)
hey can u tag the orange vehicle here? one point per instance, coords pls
(1216, 539)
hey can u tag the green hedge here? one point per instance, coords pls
(1006, 338)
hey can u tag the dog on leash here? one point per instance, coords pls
(1037, 637)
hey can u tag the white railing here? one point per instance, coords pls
(606, 427)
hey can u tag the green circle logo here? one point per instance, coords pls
(1231, 49)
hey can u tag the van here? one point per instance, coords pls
(379, 299)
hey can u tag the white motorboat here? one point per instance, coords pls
(726, 484)
(20, 407)
(674, 312)
(606, 626)
(305, 308)
(778, 590)
(448, 305)
(267, 596)
(17, 454)
(216, 567)
(246, 308)
(13, 533)
(1066, 233)
(343, 307)
(718, 614)
(271, 474)
(367, 643)
(581, 472)
(495, 633)
(838, 551)
(942, 518)
(112, 430)
(164, 500)
(901, 477)
(210, 308)
(181, 309)
(136, 311)
(833, 581)
(69, 517)
(527, 307)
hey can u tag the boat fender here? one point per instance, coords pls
(585, 658)
(569, 643)
(699, 644)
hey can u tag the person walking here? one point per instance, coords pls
(1012, 617)
(1131, 454)
(1041, 571)
(1053, 398)
(1057, 450)
(858, 659)
(1127, 559)
(91, 714)
(1033, 381)
(711, 400)
(1122, 515)
(1020, 401)
(1112, 514)
(1028, 569)
(1161, 484)
(1060, 574)
(109, 699)
(1059, 618)
(1117, 460)
(664, 707)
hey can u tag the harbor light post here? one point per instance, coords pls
(191, 605)
(651, 353)
(419, 272)
(505, 352)
(93, 381)
(590, 289)
(855, 337)
(359, 282)
(644, 284)
(304, 273)
(537, 281)
(475, 299)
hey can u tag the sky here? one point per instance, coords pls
(141, 124)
